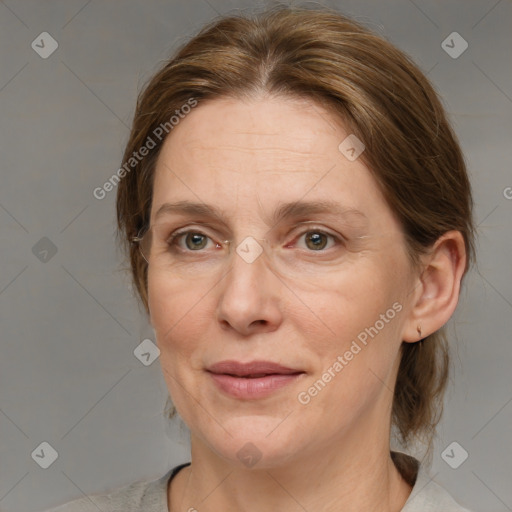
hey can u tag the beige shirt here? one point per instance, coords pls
(426, 495)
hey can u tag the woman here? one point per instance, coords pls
(298, 218)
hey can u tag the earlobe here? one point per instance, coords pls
(438, 287)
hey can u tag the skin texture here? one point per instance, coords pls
(247, 157)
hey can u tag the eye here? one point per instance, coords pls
(193, 240)
(317, 240)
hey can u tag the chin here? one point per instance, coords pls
(256, 442)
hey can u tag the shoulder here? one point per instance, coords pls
(150, 496)
(427, 495)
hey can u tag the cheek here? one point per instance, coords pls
(352, 300)
(354, 365)
(179, 310)
(358, 318)
(180, 315)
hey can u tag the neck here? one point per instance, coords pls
(353, 477)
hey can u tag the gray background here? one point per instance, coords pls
(70, 324)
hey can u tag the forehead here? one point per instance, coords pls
(271, 127)
(279, 127)
(252, 155)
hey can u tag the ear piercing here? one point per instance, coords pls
(419, 330)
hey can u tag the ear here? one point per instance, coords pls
(436, 290)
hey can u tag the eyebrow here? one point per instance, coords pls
(294, 209)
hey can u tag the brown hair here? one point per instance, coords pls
(380, 95)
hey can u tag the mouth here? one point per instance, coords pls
(251, 370)
(253, 380)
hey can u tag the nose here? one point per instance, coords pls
(250, 294)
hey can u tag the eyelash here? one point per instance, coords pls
(176, 236)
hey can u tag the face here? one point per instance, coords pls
(320, 292)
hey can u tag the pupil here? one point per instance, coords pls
(197, 241)
(316, 239)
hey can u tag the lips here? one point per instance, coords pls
(254, 380)
(253, 369)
